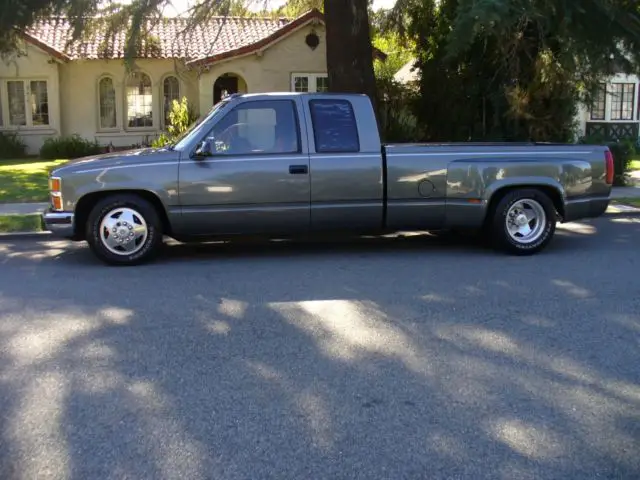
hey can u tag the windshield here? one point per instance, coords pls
(185, 137)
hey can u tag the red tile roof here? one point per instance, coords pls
(221, 37)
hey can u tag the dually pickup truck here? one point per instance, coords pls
(287, 164)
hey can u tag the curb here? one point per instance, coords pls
(25, 235)
(618, 209)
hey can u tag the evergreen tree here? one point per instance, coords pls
(514, 69)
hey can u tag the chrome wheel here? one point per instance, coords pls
(123, 231)
(526, 221)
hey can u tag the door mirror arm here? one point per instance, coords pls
(203, 150)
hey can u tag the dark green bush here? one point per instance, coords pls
(397, 120)
(12, 146)
(622, 150)
(73, 146)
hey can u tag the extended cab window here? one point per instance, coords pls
(334, 126)
(259, 127)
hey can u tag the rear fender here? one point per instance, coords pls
(523, 182)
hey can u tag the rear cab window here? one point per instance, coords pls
(335, 129)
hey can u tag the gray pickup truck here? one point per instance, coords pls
(289, 164)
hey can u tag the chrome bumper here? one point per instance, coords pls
(59, 223)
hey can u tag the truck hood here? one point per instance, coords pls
(112, 159)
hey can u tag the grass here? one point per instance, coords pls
(635, 164)
(20, 223)
(25, 180)
(634, 202)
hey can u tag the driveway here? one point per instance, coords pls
(415, 358)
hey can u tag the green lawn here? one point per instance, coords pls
(634, 202)
(20, 223)
(635, 164)
(25, 180)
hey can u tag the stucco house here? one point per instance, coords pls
(616, 110)
(55, 88)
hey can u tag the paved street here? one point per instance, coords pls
(409, 359)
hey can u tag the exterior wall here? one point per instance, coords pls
(80, 97)
(584, 112)
(33, 65)
(73, 93)
(272, 70)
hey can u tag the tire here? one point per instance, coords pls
(134, 218)
(536, 204)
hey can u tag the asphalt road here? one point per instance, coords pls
(408, 359)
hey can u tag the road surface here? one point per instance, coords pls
(411, 358)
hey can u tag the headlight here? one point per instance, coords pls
(55, 190)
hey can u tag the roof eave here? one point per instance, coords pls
(312, 16)
(58, 55)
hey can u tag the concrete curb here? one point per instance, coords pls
(25, 235)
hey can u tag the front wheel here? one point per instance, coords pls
(124, 230)
(524, 222)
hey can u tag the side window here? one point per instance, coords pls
(334, 126)
(259, 127)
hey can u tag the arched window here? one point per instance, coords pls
(107, 103)
(171, 92)
(139, 101)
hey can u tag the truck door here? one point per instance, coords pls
(256, 180)
(347, 184)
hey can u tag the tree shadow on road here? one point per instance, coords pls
(371, 361)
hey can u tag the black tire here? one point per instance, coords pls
(150, 246)
(497, 223)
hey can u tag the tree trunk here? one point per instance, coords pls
(349, 49)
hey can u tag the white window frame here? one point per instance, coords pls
(154, 113)
(4, 103)
(312, 79)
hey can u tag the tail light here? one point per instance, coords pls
(609, 169)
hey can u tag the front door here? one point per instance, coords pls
(224, 86)
(257, 179)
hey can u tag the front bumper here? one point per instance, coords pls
(60, 224)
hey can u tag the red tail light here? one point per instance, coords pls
(608, 158)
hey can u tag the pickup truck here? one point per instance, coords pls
(287, 164)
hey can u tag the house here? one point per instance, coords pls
(408, 74)
(615, 112)
(54, 87)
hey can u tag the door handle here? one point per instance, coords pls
(298, 169)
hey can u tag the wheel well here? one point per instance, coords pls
(552, 192)
(87, 202)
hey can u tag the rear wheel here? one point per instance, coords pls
(124, 230)
(523, 222)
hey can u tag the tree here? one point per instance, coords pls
(514, 69)
(349, 49)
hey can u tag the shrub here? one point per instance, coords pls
(398, 123)
(12, 146)
(73, 146)
(181, 116)
(622, 150)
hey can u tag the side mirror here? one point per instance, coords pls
(204, 149)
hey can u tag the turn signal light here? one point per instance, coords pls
(55, 184)
(56, 202)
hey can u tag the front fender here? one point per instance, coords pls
(159, 179)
